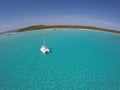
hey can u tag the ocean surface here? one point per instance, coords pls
(79, 60)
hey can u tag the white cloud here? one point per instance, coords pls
(10, 27)
(81, 21)
(62, 20)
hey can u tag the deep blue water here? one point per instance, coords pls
(79, 60)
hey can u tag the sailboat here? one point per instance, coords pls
(44, 49)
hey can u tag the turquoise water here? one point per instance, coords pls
(80, 60)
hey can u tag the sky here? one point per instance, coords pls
(21, 13)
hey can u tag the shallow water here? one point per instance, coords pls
(79, 60)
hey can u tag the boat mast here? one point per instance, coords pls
(44, 49)
(43, 37)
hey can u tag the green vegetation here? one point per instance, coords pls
(42, 27)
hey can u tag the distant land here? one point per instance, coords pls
(54, 27)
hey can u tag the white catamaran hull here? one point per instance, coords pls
(44, 50)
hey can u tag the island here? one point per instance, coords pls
(55, 27)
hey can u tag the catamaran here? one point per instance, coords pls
(44, 49)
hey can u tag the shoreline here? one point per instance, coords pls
(64, 27)
(83, 30)
(61, 29)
